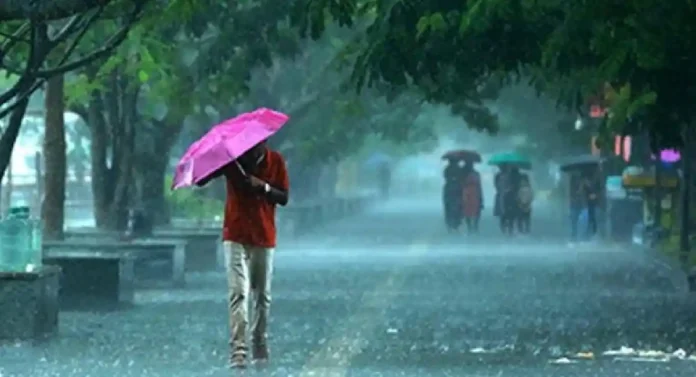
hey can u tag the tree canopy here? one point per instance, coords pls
(569, 50)
(35, 48)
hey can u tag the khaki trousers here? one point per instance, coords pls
(249, 274)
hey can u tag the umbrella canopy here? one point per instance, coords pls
(580, 162)
(462, 154)
(224, 143)
(510, 158)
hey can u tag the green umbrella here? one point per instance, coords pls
(510, 158)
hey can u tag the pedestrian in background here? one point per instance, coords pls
(525, 198)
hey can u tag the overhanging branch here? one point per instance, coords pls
(100, 53)
(12, 10)
(31, 77)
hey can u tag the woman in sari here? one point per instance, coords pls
(472, 197)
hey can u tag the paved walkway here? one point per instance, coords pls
(389, 293)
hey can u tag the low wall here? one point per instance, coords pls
(300, 218)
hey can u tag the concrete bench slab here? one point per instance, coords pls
(92, 279)
(29, 304)
(203, 245)
(144, 251)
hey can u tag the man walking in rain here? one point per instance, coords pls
(256, 183)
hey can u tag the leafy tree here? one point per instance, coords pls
(47, 9)
(35, 49)
(640, 62)
(570, 49)
(408, 45)
(327, 122)
(165, 86)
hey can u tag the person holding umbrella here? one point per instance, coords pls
(507, 184)
(256, 182)
(472, 194)
(525, 197)
(457, 171)
(452, 194)
(508, 188)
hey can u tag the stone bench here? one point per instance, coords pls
(93, 278)
(29, 304)
(146, 253)
(203, 245)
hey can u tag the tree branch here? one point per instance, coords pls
(100, 53)
(9, 136)
(16, 37)
(47, 10)
(80, 34)
(66, 30)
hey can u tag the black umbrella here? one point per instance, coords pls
(580, 162)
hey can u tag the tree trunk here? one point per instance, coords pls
(152, 181)
(657, 194)
(112, 116)
(687, 166)
(55, 160)
(9, 136)
(7, 193)
(121, 112)
(654, 147)
(102, 177)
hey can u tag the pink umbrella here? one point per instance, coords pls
(224, 143)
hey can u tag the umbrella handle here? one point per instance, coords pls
(241, 169)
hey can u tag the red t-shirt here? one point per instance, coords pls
(250, 216)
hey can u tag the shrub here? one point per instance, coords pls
(192, 203)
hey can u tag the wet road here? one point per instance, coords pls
(389, 293)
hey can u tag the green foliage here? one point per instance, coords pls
(192, 204)
(449, 50)
(417, 45)
(326, 120)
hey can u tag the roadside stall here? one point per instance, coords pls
(641, 185)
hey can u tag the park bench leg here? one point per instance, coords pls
(179, 266)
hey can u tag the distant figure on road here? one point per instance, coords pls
(452, 195)
(525, 197)
(472, 197)
(507, 186)
(256, 183)
(498, 183)
(589, 186)
(576, 203)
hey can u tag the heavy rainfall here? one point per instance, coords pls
(347, 188)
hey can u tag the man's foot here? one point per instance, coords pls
(238, 361)
(260, 354)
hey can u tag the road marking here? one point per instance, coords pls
(352, 335)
